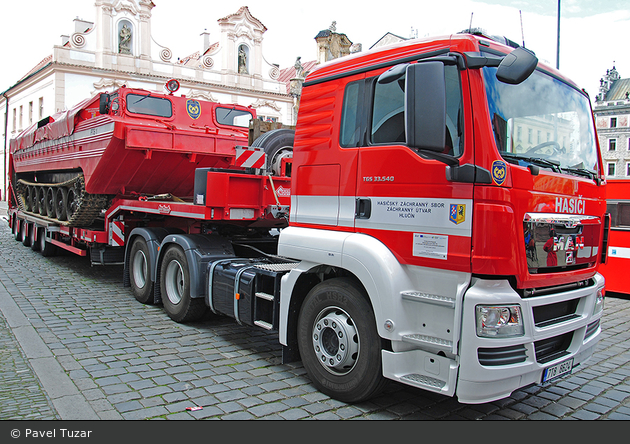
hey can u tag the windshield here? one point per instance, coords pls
(152, 106)
(233, 117)
(542, 121)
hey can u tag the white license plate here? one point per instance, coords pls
(557, 370)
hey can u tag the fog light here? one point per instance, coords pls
(599, 302)
(499, 321)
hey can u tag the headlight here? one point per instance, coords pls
(499, 321)
(599, 302)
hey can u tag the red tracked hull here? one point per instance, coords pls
(124, 152)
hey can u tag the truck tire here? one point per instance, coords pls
(45, 248)
(338, 341)
(175, 288)
(140, 271)
(15, 228)
(32, 237)
(24, 233)
(277, 143)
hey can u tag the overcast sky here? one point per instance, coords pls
(593, 33)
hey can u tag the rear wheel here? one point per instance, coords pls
(15, 228)
(139, 271)
(24, 233)
(45, 248)
(278, 144)
(338, 341)
(32, 237)
(175, 288)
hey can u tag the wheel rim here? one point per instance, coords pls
(41, 201)
(140, 269)
(174, 280)
(335, 340)
(71, 205)
(60, 207)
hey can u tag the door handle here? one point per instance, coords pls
(363, 208)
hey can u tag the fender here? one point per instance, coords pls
(199, 249)
(384, 278)
(153, 237)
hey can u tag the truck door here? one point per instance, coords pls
(404, 195)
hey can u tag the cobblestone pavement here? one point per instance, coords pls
(77, 345)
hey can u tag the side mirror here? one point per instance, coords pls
(517, 66)
(425, 106)
(103, 104)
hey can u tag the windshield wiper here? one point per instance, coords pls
(539, 161)
(581, 172)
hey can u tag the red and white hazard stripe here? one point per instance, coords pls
(250, 157)
(117, 234)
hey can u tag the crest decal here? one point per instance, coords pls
(499, 172)
(193, 108)
(457, 214)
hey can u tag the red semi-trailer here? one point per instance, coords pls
(442, 225)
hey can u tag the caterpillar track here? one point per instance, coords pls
(66, 203)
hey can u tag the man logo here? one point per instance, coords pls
(457, 213)
(194, 109)
(499, 172)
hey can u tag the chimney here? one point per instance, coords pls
(82, 25)
(206, 41)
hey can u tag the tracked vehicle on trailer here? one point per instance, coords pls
(442, 225)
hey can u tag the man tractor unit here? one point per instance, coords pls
(436, 218)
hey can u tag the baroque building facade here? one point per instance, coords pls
(118, 48)
(612, 119)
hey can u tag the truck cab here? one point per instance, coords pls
(455, 186)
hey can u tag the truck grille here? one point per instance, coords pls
(502, 355)
(545, 315)
(552, 348)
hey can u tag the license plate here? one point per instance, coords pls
(557, 370)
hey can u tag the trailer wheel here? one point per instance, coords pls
(45, 248)
(278, 144)
(139, 268)
(15, 228)
(338, 341)
(175, 288)
(32, 237)
(25, 238)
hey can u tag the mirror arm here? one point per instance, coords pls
(474, 60)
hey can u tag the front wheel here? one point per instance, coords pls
(139, 271)
(338, 341)
(175, 288)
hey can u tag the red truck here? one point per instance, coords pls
(437, 218)
(614, 270)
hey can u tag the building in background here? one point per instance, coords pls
(612, 118)
(118, 48)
